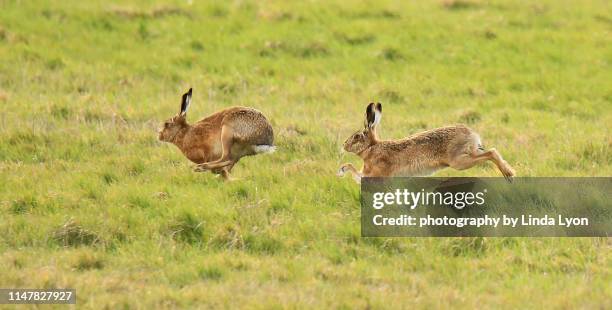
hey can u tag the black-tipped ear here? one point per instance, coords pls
(370, 115)
(185, 102)
(377, 114)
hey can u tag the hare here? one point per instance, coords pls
(217, 142)
(421, 154)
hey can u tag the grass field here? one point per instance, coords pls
(89, 198)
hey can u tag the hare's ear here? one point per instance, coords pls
(377, 114)
(373, 115)
(185, 102)
(370, 116)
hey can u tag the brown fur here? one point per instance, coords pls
(458, 147)
(218, 141)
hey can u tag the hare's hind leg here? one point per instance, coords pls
(466, 161)
(502, 165)
(227, 140)
(223, 172)
(350, 168)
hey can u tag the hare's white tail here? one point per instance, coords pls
(264, 148)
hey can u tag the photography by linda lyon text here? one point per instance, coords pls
(524, 220)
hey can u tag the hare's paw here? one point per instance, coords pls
(201, 168)
(341, 171)
(231, 179)
(224, 174)
(508, 172)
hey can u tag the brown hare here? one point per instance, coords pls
(421, 154)
(217, 142)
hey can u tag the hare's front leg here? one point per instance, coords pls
(350, 168)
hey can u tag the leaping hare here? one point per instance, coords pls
(218, 141)
(458, 147)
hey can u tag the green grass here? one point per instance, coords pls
(91, 200)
